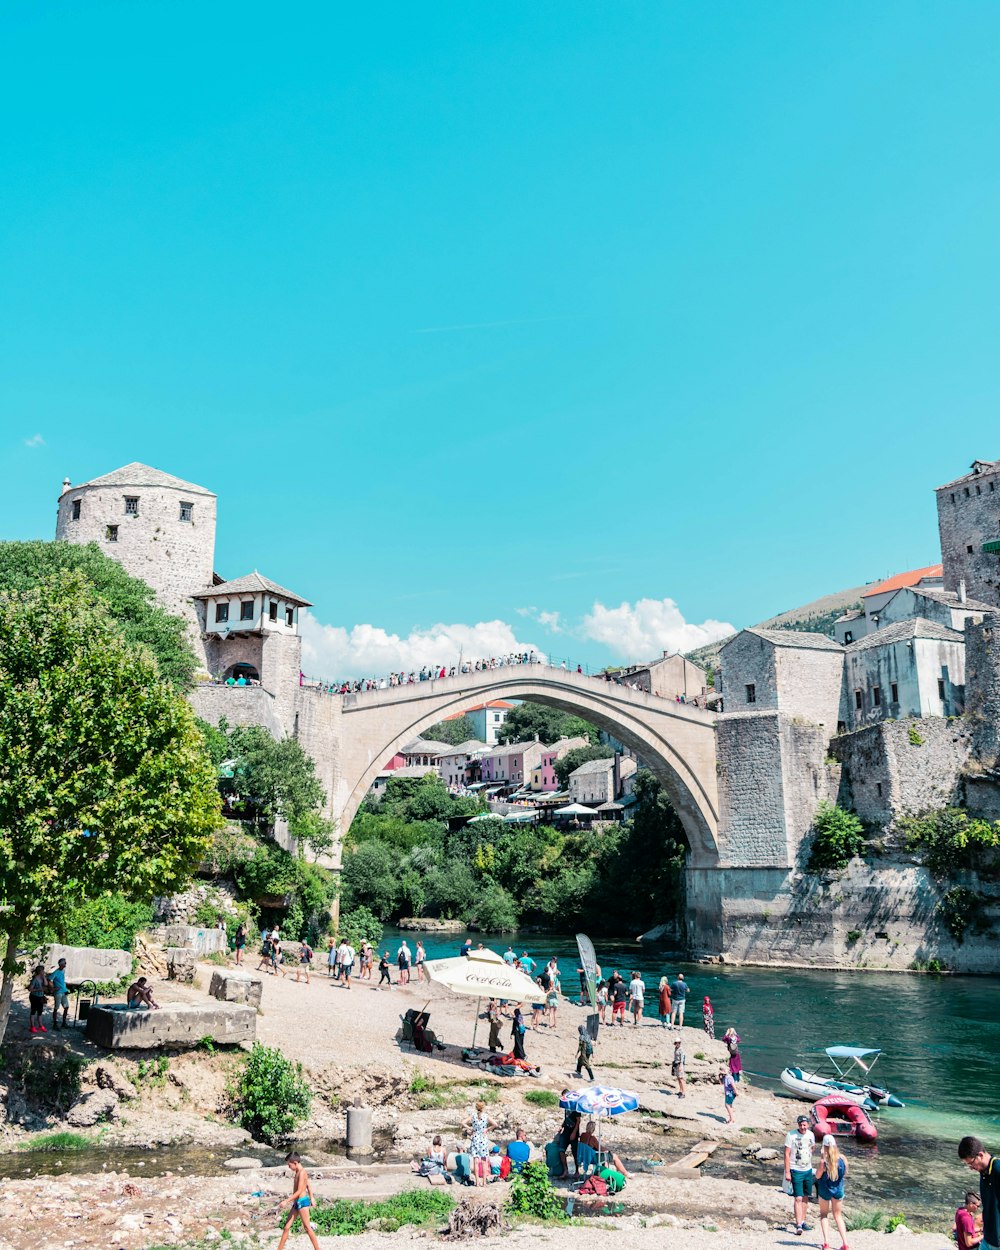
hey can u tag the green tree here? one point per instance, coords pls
(461, 729)
(105, 785)
(271, 1095)
(369, 879)
(274, 777)
(528, 719)
(130, 602)
(839, 836)
(579, 755)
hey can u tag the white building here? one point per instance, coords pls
(911, 668)
(599, 781)
(454, 764)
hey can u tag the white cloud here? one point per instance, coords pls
(35, 440)
(550, 620)
(330, 651)
(643, 629)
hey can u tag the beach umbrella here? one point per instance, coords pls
(575, 809)
(482, 974)
(598, 1101)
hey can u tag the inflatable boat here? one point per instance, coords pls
(844, 1060)
(843, 1118)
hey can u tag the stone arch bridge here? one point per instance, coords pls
(675, 740)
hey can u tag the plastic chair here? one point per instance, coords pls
(586, 1159)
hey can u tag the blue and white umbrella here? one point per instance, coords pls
(598, 1100)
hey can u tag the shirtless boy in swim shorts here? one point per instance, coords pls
(299, 1203)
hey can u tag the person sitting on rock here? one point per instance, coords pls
(141, 995)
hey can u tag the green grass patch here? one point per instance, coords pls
(541, 1097)
(877, 1220)
(431, 1094)
(61, 1142)
(347, 1216)
(746, 1129)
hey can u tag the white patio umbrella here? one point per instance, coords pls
(575, 809)
(482, 974)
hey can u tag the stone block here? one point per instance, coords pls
(176, 1024)
(180, 964)
(202, 941)
(236, 987)
(87, 963)
(92, 1108)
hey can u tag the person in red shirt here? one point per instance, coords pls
(968, 1233)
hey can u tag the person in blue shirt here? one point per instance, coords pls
(679, 993)
(509, 956)
(519, 1151)
(60, 999)
(527, 963)
(466, 947)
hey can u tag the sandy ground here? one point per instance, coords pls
(347, 1042)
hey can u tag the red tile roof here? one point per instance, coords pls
(478, 707)
(904, 579)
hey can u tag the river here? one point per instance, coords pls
(940, 1035)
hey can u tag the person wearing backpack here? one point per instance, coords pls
(517, 1032)
(584, 1052)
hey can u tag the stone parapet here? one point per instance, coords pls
(176, 1024)
(86, 963)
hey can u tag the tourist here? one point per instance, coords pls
(509, 957)
(36, 1000)
(277, 956)
(537, 1009)
(799, 1146)
(60, 995)
(830, 1186)
(590, 1138)
(708, 1017)
(677, 1066)
(434, 1162)
(403, 960)
(419, 956)
(968, 1230)
(584, 987)
(527, 964)
(732, 1040)
(239, 941)
(346, 952)
(602, 1002)
(383, 971)
(679, 993)
(299, 1203)
(493, 1015)
(331, 957)
(479, 1124)
(265, 952)
(466, 948)
(569, 1134)
(139, 994)
(975, 1156)
(584, 1052)
(552, 1001)
(517, 1032)
(665, 1005)
(619, 996)
(729, 1093)
(519, 1150)
(305, 959)
(636, 994)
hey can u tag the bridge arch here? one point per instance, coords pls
(677, 741)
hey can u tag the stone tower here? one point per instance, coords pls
(158, 527)
(969, 524)
(982, 686)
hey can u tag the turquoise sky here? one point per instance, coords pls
(472, 313)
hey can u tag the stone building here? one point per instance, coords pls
(669, 677)
(796, 673)
(457, 763)
(969, 524)
(855, 623)
(914, 667)
(599, 781)
(543, 775)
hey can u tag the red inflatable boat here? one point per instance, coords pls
(843, 1119)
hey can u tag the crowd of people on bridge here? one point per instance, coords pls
(433, 672)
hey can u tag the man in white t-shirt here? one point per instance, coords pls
(636, 993)
(346, 953)
(799, 1147)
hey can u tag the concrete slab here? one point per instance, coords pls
(86, 963)
(180, 964)
(236, 987)
(201, 940)
(175, 1024)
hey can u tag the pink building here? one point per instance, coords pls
(543, 775)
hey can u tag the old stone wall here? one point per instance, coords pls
(982, 686)
(748, 660)
(809, 684)
(239, 705)
(886, 775)
(884, 916)
(222, 653)
(968, 516)
(751, 794)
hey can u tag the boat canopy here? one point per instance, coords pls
(850, 1052)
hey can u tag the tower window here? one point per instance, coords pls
(894, 692)
(272, 611)
(876, 696)
(131, 505)
(289, 616)
(966, 489)
(858, 700)
(968, 550)
(952, 496)
(187, 511)
(941, 688)
(246, 610)
(751, 692)
(978, 489)
(111, 533)
(222, 612)
(76, 510)
(848, 636)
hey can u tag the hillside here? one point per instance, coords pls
(816, 617)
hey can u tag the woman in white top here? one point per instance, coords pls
(637, 994)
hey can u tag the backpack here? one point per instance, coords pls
(594, 1185)
(505, 1167)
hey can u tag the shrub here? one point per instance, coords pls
(839, 837)
(346, 1217)
(110, 922)
(63, 1142)
(270, 1096)
(949, 838)
(494, 910)
(959, 908)
(360, 924)
(531, 1193)
(853, 936)
(46, 1080)
(541, 1098)
(874, 1219)
(913, 733)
